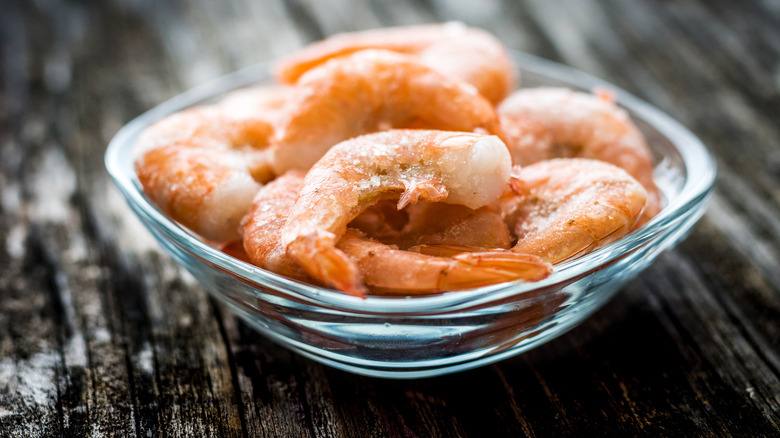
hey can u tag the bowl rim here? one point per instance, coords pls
(700, 176)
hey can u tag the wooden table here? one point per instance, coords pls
(102, 334)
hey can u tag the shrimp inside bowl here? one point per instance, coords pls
(384, 165)
(421, 312)
(411, 165)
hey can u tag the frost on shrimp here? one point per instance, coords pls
(261, 228)
(410, 165)
(202, 166)
(369, 91)
(469, 54)
(546, 123)
(564, 208)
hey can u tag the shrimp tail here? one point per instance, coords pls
(474, 266)
(325, 262)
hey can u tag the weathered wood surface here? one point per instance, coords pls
(101, 334)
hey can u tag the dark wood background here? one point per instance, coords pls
(101, 334)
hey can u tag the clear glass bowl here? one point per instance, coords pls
(410, 337)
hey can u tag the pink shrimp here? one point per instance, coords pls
(470, 54)
(546, 123)
(369, 91)
(453, 167)
(261, 228)
(384, 268)
(202, 166)
(564, 208)
(389, 270)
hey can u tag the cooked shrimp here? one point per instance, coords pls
(384, 268)
(470, 54)
(547, 123)
(369, 91)
(202, 166)
(453, 167)
(387, 269)
(261, 228)
(568, 207)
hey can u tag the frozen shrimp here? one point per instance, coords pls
(383, 268)
(563, 208)
(545, 123)
(409, 165)
(202, 166)
(469, 54)
(389, 270)
(370, 91)
(261, 228)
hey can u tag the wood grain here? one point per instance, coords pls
(103, 335)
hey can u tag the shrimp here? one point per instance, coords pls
(453, 167)
(567, 207)
(202, 166)
(545, 123)
(369, 91)
(261, 228)
(389, 270)
(383, 268)
(469, 54)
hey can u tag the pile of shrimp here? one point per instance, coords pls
(400, 161)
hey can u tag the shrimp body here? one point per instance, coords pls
(545, 123)
(203, 166)
(567, 207)
(469, 54)
(370, 91)
(411, 165)
(383, 268)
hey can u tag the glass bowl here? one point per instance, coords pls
(410, 337)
